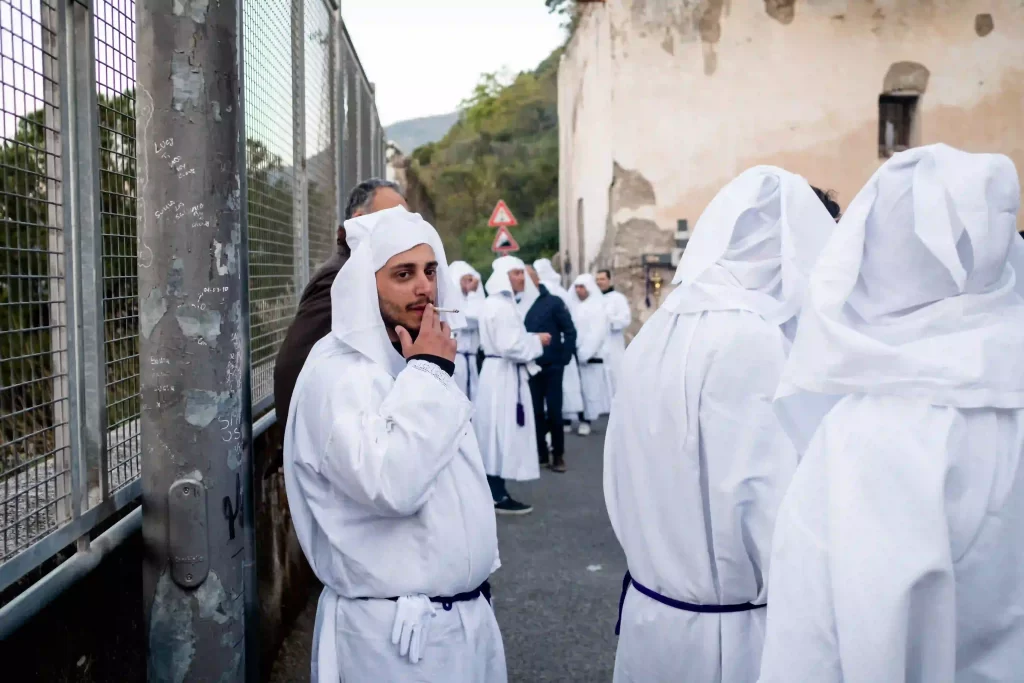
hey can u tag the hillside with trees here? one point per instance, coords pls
(504, 146)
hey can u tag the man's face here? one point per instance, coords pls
(532, 272)
(518, 279)
(604, 282)
(405, 285)
(582, 293)
(469, 283)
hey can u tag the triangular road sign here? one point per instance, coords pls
(504, 242)
(501, 216)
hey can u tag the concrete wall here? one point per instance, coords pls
(661, 103)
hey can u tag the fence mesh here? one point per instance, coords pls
(270, 152)
(34, 409)
(320, 148)
(114, 26)
(37, 389)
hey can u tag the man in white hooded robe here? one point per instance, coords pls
(572, 398)
(467, 281)
(384, 477)
(591, 319)
(899, 546)
(695, 460)
(504, 420)
(620, 316)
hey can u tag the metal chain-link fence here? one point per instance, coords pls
(70, 451)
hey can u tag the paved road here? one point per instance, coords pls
(557, 592)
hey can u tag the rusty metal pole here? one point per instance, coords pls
(199, 573)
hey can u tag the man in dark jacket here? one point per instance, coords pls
(550, 314)
(313, 318)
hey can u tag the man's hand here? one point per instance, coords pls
(434, 339)
(545, 338)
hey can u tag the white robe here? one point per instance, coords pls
(899, 550)
(467, 339)
(616, 306)
(388, 496)
(591, 334)
(509, 450)
(695, 465)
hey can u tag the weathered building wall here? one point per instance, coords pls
(661, 103)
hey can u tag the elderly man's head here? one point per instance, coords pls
(371, 196)
(405, 285)
(582, 292)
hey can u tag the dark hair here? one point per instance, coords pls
(828, 199)
(362, 194)
(606, 272)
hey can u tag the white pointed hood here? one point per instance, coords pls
(919, 293)
(499, 282)
(460, 269)
(588, 281)
(355, 309)
(753, 247)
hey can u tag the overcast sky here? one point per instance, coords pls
(425, 56)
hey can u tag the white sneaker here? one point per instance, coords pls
(567, 429)
(584, 429)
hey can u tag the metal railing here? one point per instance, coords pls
(69, 250)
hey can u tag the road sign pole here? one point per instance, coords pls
(199, 569)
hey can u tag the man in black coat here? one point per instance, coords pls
(550, 314)
(312, 320)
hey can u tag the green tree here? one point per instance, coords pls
(505, 146)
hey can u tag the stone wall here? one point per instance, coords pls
(662, 103)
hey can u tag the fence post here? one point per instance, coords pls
(339, 84)
(300, 197)
(82, 214)
(50, 36)
(199, 570)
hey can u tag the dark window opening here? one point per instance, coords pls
(895, 123)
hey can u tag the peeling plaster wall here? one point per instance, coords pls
(682, 95)
(585, 150)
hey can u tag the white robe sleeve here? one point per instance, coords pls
(388, 458)
(511, 340)
(878, 542)
(619, 315)
(749, 459)
(591, 331)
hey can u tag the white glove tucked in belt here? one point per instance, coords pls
(412, 622)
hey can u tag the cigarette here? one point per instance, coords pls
(447, 310)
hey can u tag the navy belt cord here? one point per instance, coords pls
(483, 589)
(469, 373)
(520, 410)
(677, 604)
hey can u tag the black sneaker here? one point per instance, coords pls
(512, 507)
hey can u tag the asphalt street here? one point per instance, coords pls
(557, 592)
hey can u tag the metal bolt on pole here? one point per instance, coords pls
(199, 569)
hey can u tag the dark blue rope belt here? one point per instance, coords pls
(469, 373)
(677, 604)
(483, 589)
(520, 410)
